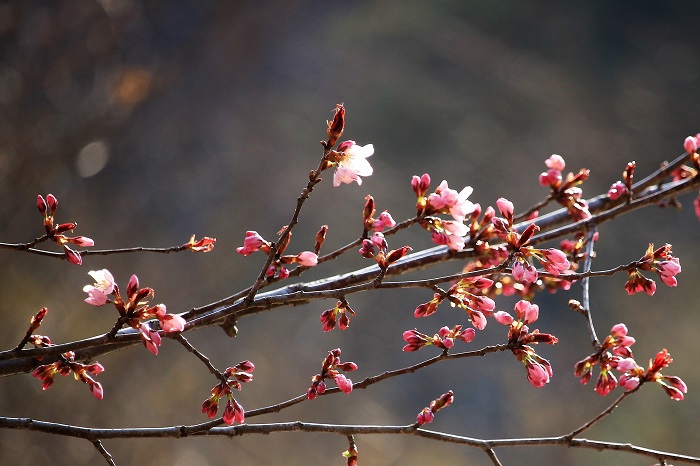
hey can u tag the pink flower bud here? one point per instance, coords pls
(690, 144)
(41, 204)
(82, 241)
(52, 203)
(72, 256)
(172, 323)
(96, 389)
(502, 317)
(229, 414)
(343, 383)
(425, 417)
(555, 162)
(505, 207)
(307, 259)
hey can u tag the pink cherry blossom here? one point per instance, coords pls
(383, 221)
(72, 256)
(307, 259)
(555, 261)
(537, 374)
(505, 207)
(229, 414)
(425, 417)
(172, 323)
(628, 382)
(454, 242)
(467, 335)
(82, 241)
(420, 184)
(103, 286)
(253, 242)
(549, 178)
(555, 162)
(446, 199)
(343, 383)
(353, 163)
(527, 312)
(690, 144)
(502, 317)
(616, 190)
(96, 389)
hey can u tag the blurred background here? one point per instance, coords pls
(154, 120)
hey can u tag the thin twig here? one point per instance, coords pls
(103, 451)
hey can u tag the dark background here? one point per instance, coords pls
(153, 120)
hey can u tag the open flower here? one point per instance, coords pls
(103, 287)
(352, 163)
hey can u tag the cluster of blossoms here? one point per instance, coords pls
(553, 260)
(133, 311)
(331, 370)
(659, 260)
(539, 370)
(615, 353)
(47, 207)
(565, 190)
(65, 366)
(443, 201)
(254, 242)
(233, 378)
(463, 294)
(338, 314)
(428, 413)
(445, 338)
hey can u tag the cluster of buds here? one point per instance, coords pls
(443, 201)
(615, 353)
(382, 222)
(658, 260)
(376, 247)
(566, 191)
(254, 242)
(331, 370)
(539, 370)
(65, 366)
(56, 233)
(615, 348)
(691, 145)
(234, 377)
(339, 315)
(133, 311)
(445, 338)
(39, 341)
(465, 294)
(553, 260)
(205, 244)
(428, 413)
(624, 187)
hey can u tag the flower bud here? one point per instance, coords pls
(335, 127)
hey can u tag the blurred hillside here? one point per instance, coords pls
(153, 120)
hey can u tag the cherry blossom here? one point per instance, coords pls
(352, 163)
(253, 242)
(104, 286)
